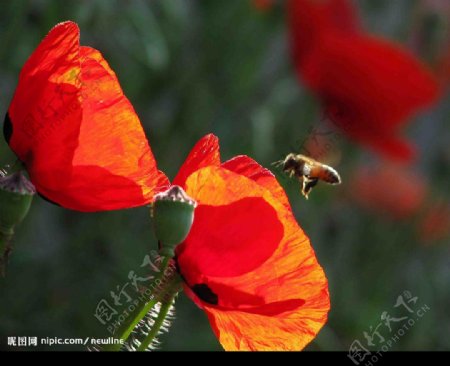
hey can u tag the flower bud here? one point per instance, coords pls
(16, 194)
(173, 215)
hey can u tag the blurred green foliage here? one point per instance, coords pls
(194, 67)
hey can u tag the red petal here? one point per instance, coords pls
(204, 153)
(76, 132)
(232, 233)
(231, 239)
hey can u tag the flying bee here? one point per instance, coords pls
(308, 171)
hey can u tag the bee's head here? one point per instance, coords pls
(290, 162)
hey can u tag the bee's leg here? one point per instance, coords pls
(308, 185)
(278, 163)
(303, 181)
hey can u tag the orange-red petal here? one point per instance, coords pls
(76, 132)
(272, 296)
(249, 168)
(204, 153)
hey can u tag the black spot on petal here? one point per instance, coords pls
(202, 290)
(205, 294)
(7, 128)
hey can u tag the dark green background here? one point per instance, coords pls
(195, 67)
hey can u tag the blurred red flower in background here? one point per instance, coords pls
(246, 262)
(76, 132)
(389, 189)
(443, 68)
(368, 86)
(263, 5)
(435, 224)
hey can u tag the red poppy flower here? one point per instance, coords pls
(76, 132)
(246, 262)
(388, 189)
(368, 86)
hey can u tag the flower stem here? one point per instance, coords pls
(5, 250)
(140, 311)
(165, 308)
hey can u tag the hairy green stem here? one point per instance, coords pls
(165, 308)
(140, 311)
